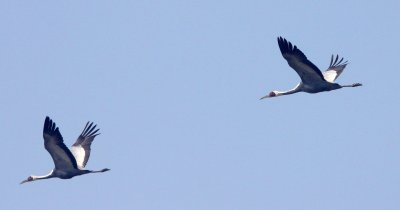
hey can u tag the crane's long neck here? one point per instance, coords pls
(294, 90)
(289, 92)
(48, 176)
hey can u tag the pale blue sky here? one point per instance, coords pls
(174, 87)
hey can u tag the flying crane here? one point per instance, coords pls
(68, 163)
(312, 79)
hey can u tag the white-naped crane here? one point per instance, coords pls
(312, 79)
(68, 163)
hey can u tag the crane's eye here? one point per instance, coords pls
(272, 94)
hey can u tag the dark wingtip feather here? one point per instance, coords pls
(336, 62)
(337, 57)
(89, 130)
(50, 128)
(48, 125)
(86, 126)
(340, 60)
(285, 46)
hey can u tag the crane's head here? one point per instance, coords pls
(271, 94)
(29, 179)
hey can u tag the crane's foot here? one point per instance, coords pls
(356, 84)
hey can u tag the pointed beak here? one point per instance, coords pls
(24, 181)
(267, 96)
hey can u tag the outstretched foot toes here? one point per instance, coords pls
(357, 84)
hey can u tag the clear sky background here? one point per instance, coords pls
(174, 87)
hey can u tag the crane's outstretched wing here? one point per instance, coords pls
(54, 144)
(81, 148)
(308, 72)
(335, 69)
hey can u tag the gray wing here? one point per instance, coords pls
(308, 72)
(81, 148)
(54, 144)
(336, 67)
